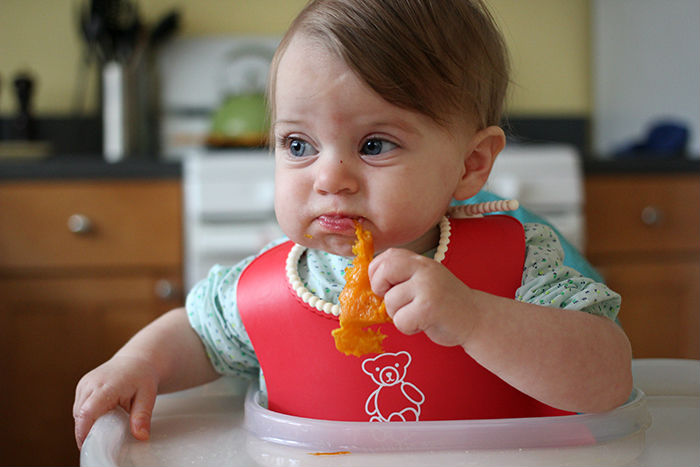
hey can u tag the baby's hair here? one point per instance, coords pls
(442, 58)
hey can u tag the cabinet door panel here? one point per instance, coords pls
(53, 331)
(660, 306)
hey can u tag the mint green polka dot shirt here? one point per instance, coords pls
(213, 314)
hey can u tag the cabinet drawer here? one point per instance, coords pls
(90, 223)
(649, 213)
(660, 305)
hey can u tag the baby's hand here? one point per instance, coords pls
(422, 295)
(129, 382)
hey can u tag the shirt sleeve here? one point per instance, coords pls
(548, 282)
(213, 314)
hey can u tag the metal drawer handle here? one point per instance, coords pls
(651, 215)
(79, 224)
(166, 290)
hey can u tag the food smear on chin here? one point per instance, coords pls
(360, 308)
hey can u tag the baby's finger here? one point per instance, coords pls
(94, 405)
(398, 297)
(80, 396)
(141, 413)
(408, 320)
(82, 422)
(389, 268)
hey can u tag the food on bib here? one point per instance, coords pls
(359, 306)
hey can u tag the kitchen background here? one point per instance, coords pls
(90, 251)
(43, 36)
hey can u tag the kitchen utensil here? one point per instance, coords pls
(241, 121)
(195, 81)
(23, 125)
(241, 118)
(164, 28)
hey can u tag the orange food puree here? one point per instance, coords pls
(338, 453)
(359, 306)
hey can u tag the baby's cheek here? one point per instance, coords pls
(288, 218)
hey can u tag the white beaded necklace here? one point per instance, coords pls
(467, 210)
(331, 308)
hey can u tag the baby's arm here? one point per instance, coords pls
(565, 358)
(165, 356)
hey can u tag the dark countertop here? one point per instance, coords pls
(94, 167)
(640, 165)
(87, 167)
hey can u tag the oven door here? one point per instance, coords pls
(229, 208)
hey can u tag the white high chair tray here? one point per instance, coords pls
(204, 427)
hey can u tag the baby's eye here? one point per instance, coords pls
(300, 148)
(376, 146)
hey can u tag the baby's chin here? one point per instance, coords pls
(340, 246)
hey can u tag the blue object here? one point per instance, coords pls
(572, 257)
(665, 139)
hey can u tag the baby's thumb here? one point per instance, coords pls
(141, 413)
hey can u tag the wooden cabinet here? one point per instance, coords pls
(83, 266)
(643, 234)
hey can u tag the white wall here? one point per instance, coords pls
(646, 66)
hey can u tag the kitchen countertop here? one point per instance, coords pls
(641, 165)
(87, 167)
(94, 167)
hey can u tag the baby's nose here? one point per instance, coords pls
(336, 173)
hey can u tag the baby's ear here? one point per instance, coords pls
(366, 363)
(478, 160)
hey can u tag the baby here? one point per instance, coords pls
(382, 113)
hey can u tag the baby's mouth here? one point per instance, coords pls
(338, 223)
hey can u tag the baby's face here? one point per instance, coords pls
(344, 154)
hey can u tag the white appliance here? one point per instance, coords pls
(196, 74)
(229, 199)
(547, 179)
(229, 211)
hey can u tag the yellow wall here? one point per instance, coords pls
(549, 43)
(548, 39)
